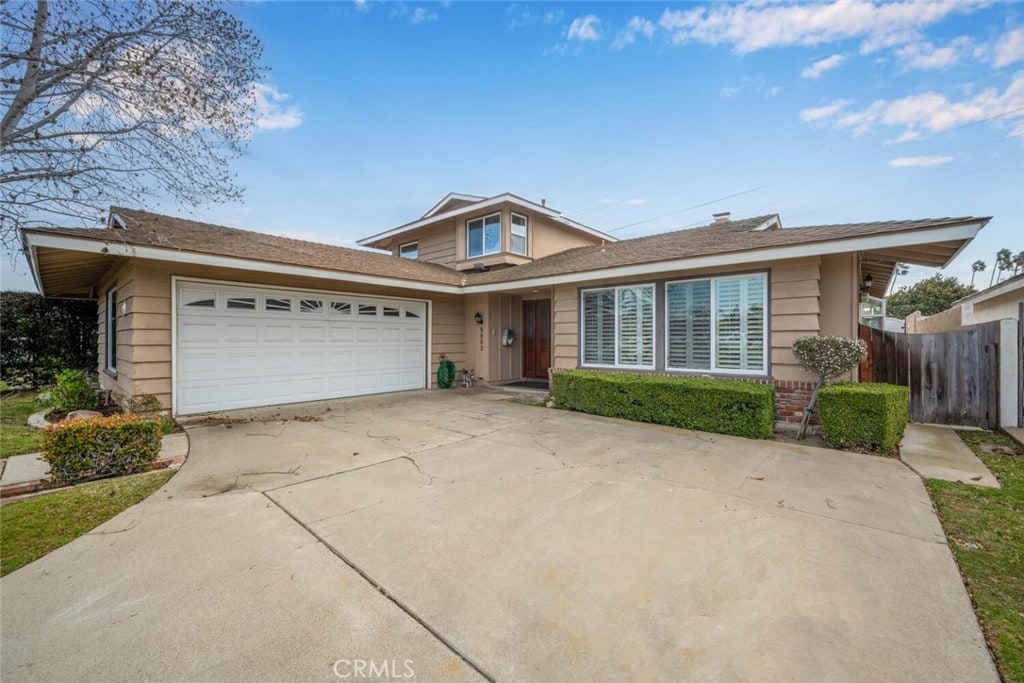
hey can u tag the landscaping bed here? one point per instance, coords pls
(985, 528)
(36, 526)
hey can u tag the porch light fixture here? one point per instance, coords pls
(868, 281)
(479, 318)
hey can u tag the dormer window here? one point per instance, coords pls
(519, 235)
(410, 250)
(483, 235)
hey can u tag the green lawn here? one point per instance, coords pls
(34, 527)
(16, 437)
(985, 528)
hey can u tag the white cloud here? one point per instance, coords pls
(362, 5)
(520, 18)
(730, 90)
(775, 91)
(420, 15)
(757, 25)
(272, 109)
(817, 69)
(1009, 49)
(920, 162)
(637, 26)
(930, 111)
(824, 112)
(636, 201)
(923, 55)
(584, 29)
(417, 15)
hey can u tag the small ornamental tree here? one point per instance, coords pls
(827, 357)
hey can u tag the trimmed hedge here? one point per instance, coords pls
(709, 405)
(100, 447)
(865, 415)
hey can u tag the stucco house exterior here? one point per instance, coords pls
(210, 318)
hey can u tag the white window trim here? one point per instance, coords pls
(110, 331)
(654, 328)
(483, 242)
(414, 243)
(714, 369)
(525, 235)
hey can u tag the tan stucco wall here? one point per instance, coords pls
(794, 305)
(945, 321)
(144, 333)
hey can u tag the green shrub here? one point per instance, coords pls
(101, 446)
(709, 405)
(865, 415)
(73, 391)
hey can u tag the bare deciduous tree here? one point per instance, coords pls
(106, 101)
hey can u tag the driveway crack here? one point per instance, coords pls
(387, 594)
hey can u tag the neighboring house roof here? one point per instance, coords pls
(762, 234)
(999, 289)
(431, 217)
(727, 243)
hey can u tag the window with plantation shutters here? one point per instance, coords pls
(689, 325)
(599, 327)
(618, 326)
(717, 324)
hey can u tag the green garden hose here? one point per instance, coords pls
(445, 373)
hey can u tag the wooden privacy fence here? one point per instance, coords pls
(953, 376)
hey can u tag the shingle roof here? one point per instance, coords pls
(717, 238)
(155, 230)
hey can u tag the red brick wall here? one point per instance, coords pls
(791, 397)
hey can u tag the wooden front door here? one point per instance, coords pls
(536, 338)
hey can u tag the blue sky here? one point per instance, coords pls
(635, 118)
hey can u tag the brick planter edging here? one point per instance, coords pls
(791, 398)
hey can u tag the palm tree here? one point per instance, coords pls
(1018, 262)
(977, 267)
(1004, 261)
(901, 269)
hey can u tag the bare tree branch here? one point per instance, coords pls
(111, 102)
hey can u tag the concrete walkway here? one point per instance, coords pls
(936, 452)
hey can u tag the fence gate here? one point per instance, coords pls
(953, 376)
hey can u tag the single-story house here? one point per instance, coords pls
(209, 318)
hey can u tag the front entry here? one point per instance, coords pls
(536, 338)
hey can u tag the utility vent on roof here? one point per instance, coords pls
(721, 217)
(115, 222)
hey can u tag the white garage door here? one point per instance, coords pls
(240, 347)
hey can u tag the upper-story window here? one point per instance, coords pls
(519, 234)
(483, 235)
(410, 250)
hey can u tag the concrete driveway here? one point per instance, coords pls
(478, 538)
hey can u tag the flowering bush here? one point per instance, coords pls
(829, 356)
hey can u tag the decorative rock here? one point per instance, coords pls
(37, 420)
(82, 415)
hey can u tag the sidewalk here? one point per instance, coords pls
(936, 452)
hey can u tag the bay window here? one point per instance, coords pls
(717, 324)
(618, 326)
(483, 235)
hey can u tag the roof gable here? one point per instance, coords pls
(556, 216)
(453, 200)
